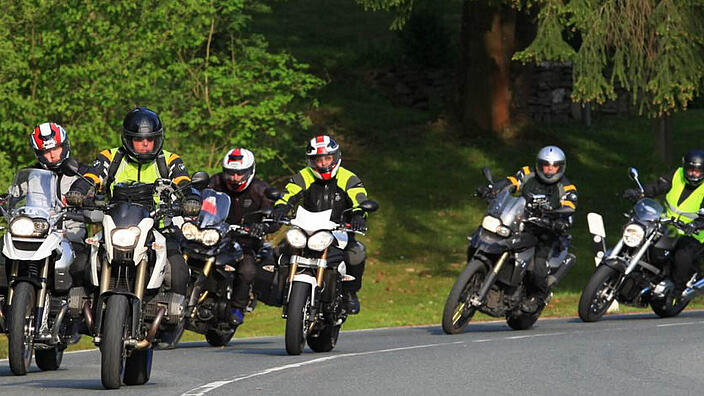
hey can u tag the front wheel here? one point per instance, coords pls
(458, 311)
(112, 350)
(49, 359)
(598, 294)
(21, 328)
(297, 319)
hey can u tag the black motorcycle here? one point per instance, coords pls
(493, 280)
(637, 270)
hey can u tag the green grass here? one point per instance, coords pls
(423, 171)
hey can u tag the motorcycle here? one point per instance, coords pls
(313, 303)
(637, 270)
(493, 281)
(44, 317)
(211, 256)
(133, 311)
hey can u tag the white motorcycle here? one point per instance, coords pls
(39, 254)
(130, 256)
(313, 304)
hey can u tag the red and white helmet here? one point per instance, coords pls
(239, 161)
(48, 136)
(324, 145)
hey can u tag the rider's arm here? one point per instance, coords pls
(294, 189)
(356, 192)
(177, 170)
(568, 197)
(258, 188)
(513, 183)
(661, 186)
(96, 172)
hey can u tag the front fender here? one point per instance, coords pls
(305, 278)
(615, 263)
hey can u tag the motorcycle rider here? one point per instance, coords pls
(246, 193)
(141, 158)
(52, 148)
(546, 178)
(684, 196)
(323, 185)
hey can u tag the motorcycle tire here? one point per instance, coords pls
(49, 359)
(20, 320)
(326, 339)
(457, 312)
(219, 338)
(297, 319)
(668, 311)
(138, 367)
(112, 351)
(591, 306)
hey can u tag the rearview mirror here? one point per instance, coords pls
(487, 174)
(200, 180)
(70, 167)
(273, 194)
(369, 205)
(633, 173)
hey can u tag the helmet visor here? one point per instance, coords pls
(323, 163)
(144, 145)
(550, 168)
(694, 172)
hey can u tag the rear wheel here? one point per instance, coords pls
(21, 328)
(297, 319)
(218, 338)
(598, 294)
(458, 311)
(112, 350)
(326, 339)
(669, 307)
(138, 367)
(49, 359)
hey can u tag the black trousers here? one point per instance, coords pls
(246, 272)
(686, 252)
(537, 272)
(179, 268)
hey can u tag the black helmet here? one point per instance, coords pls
(694, 159)
(142, 123)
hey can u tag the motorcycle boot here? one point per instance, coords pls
(351, 300)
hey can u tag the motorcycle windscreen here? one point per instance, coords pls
(214, 208)
(34, 190)
(648, 210)
(507, 207)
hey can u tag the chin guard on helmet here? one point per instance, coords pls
(239, 161)
(323, 146)
(693, 166)
(550, 155)
(48, 136)
(142, 123)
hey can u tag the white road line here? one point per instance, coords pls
(65, 353)
(678, 324)
(201, 390)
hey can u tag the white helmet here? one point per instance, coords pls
(239, 161)
(550, 155)
(324, 145)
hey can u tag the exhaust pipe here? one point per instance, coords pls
(695, 290)
(147, 341)
(57, 323)
(88, 317)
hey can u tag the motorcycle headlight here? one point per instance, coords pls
(210, 237)
(125, 237)
(296, 238)
(190, 231)
(320, 240)
(492, 224)
(22, 227)
(633, 235)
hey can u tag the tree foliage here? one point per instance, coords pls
(85, 63)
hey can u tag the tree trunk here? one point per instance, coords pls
(488, 43)
(662, 131)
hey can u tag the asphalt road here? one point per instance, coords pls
(635, 354)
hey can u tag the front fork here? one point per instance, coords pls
(319, 278)
(489, 281)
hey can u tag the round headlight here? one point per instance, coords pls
(125, 237)
(190, 231)
(296, 238)
(210, 237)
(22, 227)
(320, 241)
(633, 235)
(491, 223)
(41, 227)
